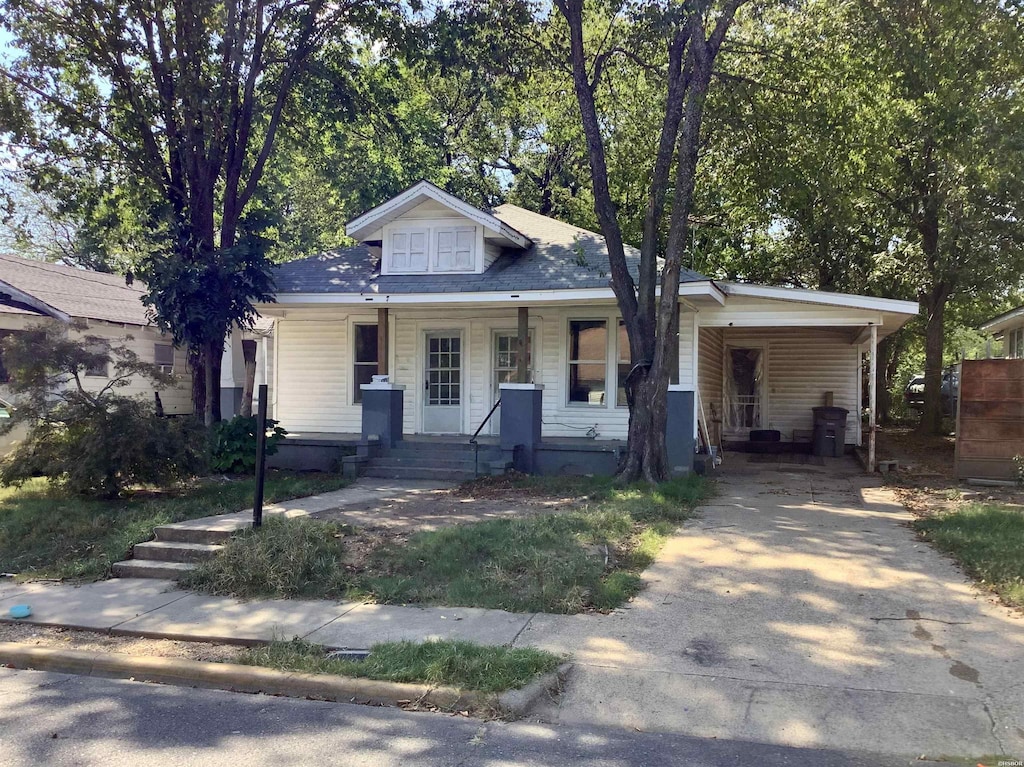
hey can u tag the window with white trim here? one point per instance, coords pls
(163, 357)
(454, 249)
(364, 361)
(1015, 343)
(409, 251)
(588, 362)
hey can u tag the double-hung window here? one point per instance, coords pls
(588, 361)
(364, 362)
(163, 357)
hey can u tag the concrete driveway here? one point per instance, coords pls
(800, 609)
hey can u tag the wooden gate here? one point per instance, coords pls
(990, 419)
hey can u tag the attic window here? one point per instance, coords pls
(442, 246)
(409, 251)
(454, 250)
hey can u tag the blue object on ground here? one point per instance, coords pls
(20, 611)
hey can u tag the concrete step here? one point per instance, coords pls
(440, 454)
(147, 568)
(418, 472)
(427, 462)
(177, 533)
(174, 551)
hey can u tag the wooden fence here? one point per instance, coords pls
(990, 419)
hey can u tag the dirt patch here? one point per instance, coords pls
(71, 639)
(496, 498)
(926, 484)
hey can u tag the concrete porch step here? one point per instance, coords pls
(418, 472)
(440, 455)
(427, 462)
(148, 568)
(174, 551)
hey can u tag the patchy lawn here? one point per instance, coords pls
(587, 556)
(44, 534)
(465, 665)
(988, 540)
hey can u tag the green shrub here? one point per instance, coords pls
(284, 558)
(91, 442)
(233, 444)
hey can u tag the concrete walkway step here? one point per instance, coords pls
(205, 531)
(174, 551)
(148, 568)
(418, 472)
(427, 462)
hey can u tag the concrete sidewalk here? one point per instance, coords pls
(154, 608)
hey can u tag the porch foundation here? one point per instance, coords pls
(383, 409)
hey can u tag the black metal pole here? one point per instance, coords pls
(261, 457)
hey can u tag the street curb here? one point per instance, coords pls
(515, 704)
(257, 679)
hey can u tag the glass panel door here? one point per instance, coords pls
(442, 403)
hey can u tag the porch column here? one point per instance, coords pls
(521, 405)
(522, 346)
(383, 405)
(382, 341)
(872, 398)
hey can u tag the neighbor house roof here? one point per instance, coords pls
(560, 256)
(28, 285)
(1004, 321)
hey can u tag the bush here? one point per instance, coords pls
(90, 442)
(233, 444)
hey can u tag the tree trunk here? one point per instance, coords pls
(934, 303)
(198, 368)
(211, 366)
(646, 455)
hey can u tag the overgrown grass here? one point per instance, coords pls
(988, 540)
(562, 563)
(46, 534)
(465, 665)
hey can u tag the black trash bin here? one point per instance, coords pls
(829, 431)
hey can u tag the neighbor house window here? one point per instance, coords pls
(5, 377)
(624, 366)
(163, 357)
(588, 361)
(1015, 344)
(98, 370)
(364, 365)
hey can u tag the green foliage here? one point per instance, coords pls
(88, 440)
(465, 665)
(233, 443)
(284, 558)
(563, 563)
(46, 533)
(988, 540)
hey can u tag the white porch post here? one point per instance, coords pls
(872, 398)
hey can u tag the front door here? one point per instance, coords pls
(442, 402)
(745, 405)
(505, 364)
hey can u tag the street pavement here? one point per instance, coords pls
(59, 720)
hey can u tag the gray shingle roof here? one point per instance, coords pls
(75, 292)
(562, 257)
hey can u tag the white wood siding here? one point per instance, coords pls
(803, 364)
(313, 363)
(709, 367)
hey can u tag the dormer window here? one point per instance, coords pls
(440, 246)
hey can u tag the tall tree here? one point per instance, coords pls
(184, 100)
(680, 43)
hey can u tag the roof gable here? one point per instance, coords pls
(363, 227)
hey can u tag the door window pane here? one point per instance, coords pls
(588, 353)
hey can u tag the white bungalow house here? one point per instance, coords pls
(1009, 328)
(438, 294)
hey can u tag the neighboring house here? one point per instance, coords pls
(1008, 327)
(33, 291)
(438, 292)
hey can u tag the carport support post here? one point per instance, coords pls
(872, 398)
